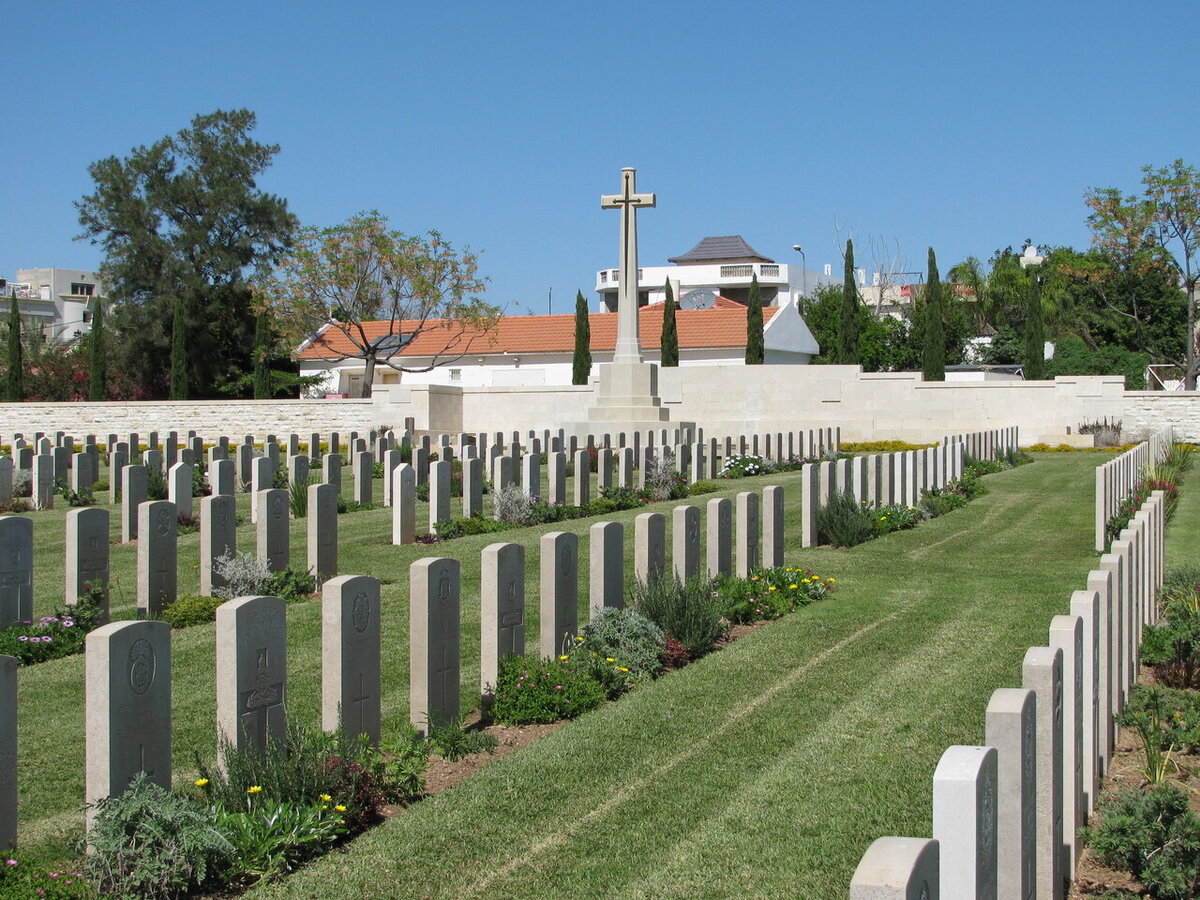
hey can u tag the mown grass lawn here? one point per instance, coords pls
(766, 769)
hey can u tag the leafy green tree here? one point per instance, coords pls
(933, 356)
(1160, 228)
(1035, 335)
(262, 356)
(342, 277)
(183, 219)
(581, 364)
(885, 343)
(1073, 357)
(14, 376)
(755, 348)
(848, 333)
(97, 358)
(179, 352)
(670, 335)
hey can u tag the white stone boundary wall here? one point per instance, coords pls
(721, 399)
(1076, 684)
(1116, 479)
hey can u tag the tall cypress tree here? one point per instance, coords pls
(754, 326)
(1035, 335)
(14, 379)
(581, 367)
(670, 337)
(97, 361)
(262, 356)
(933, 357)
(179, 358)
(848, 330)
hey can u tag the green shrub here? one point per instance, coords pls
(149, 842)
(156, 484)
(689, 611)
(191, 609)
(842, 522)
(453, 742)
(1173, 647)
(620, 648)
(77, 498)
(293, 584)
(742, 466)
(529, 690)
(1155, 837)
(272, 837)
(939, 501)
(623, 497)
(769, 593)
(455, 528)
(310, 767)
(897, 517)
(702, 487)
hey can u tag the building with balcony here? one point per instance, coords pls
(721, 266)
(55, 302)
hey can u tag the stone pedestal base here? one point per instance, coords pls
(627, 400)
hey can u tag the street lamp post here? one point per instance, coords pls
(803, 269)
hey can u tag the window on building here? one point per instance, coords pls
(87, 316)
(82, 289)
(456, 374)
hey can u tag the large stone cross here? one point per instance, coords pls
(628, 348)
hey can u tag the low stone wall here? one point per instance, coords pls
(721, 399)
(210, 418)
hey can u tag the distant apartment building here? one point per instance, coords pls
(721, 266)
(55, 302)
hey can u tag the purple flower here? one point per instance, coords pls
(23, 638)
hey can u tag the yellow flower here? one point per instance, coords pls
(623, 669)
(579, 640)
(831, 580)
(791, 587)
(201, 782)
(771, 588)
(609, 659)
(325, 798)
(340, 808)
(805, 580)
(563, 658)
(254, 789)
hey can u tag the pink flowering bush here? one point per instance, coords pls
(54, 636)
(529, 690)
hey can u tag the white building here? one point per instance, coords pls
(717, 265)
(56, 302)
(537, 350)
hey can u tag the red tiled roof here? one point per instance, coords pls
(724, 325)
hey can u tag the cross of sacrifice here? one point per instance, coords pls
(628, 349)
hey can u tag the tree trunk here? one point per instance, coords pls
(368, 377)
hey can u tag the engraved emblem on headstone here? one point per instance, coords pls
(278, 507)
(988, 813)
(693, 530)
(222, 513)
(924, 890)
(162, 522)
(443, 589)
(257, 703)
(361, 613)
(141, 666)
(564, 559)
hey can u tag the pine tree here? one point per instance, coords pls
(179, 355)
(581, 369)
(670, 336)
(14, 380)
(754, 325)
(97, 361)
(933, 357)
(848, 331)
(262, 356)
(1035, 335)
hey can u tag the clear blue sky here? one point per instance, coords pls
(963, 125)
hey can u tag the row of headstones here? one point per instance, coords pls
(48, 462)
(87, 550)
(128, 664)
(990, 444)
(878, 480)
(1116, 479)
(1006, 815)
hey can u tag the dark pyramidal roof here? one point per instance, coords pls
(729, 248)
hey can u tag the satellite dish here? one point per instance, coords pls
(698, 299)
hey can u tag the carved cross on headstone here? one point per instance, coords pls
(357, 724)
(258, 703)
(142, 762)
(628, 201)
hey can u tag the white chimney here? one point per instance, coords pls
(862, 277)
(829, 269)
(875, 279)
